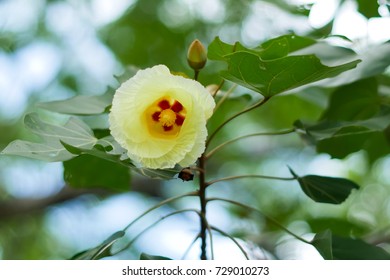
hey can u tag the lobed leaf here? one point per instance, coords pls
(218, 49)
(282, 46)
(276, 76)
(270, 69)
(271, 49)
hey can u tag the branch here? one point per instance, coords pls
(16, 207)
(250, 108)
(249, 176)
(19, 207)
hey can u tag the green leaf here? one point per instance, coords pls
(356, 101)
(326, 189)
(268, 69)
(88, 171)
(100, 251)
(331, 246)
(282, 46)
(81, 105)
(341, 138)
(276, 76)
(323, 243)
(353, 139)
(218, 49)
(100, 152)
(271, 49)
(326, 129)
(340, 226)
(345, 248)
(368, 8)
(118, 156)
(145, 256)
(74, 132)
(328, 54)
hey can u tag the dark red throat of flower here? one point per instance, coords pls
(169, 114)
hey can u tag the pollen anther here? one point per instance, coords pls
(167, 117)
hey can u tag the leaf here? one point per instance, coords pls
(356, 101)
(218, 49)
(271, 49)
(282, 46)
(74, 132)
(99, 152)
(353, 139)
(341, 138)
(345, 248)
(165, 174)
(331, 246)
(323, 243)
(276, 76)
(326, 129)
(327, 53)
(340, 226)
(368, 8)
(323, 189)
(100, 251)
(145, 256)
(81, 105)
(268, 69)
(88, 171)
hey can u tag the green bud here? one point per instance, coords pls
(197, 55)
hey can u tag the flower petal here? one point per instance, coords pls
(133, 119)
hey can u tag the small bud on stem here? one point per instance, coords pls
(197, 55)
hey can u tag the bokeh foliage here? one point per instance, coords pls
(344, 118)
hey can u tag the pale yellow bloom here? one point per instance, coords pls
(160, 118)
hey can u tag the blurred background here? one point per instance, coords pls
(52, 50)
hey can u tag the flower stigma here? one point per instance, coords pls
(167, 118)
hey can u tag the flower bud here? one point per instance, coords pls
(197, 55)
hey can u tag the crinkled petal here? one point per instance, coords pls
(129, 128)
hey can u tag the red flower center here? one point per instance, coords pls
(165, 117)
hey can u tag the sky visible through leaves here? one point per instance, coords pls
(45, 56)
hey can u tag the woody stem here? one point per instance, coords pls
(203, 202)
(202, 198)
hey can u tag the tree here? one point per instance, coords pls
(279, 106)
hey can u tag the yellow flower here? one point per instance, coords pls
(160, 118)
